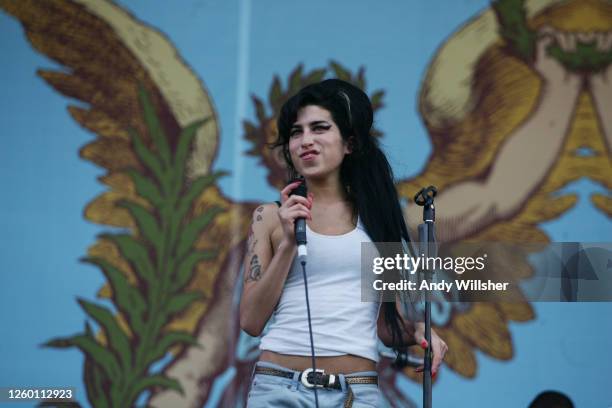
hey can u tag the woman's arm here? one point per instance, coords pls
(265, 271)
(265, 267)
(414, 333)
(523, 161)
(601, 89)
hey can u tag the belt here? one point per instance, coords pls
(319, 379)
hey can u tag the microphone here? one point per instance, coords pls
(300, 223)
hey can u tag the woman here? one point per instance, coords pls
(324, 132)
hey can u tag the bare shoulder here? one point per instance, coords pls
(265, 216)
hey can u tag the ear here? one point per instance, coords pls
(349, 145)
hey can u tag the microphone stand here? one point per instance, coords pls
(427, 242)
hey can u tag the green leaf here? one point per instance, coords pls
(149, 160)
(195, 190)
(260, 110)
(154, 126)
(155, 381)
(513, 28)
(89, 346)
(182, 151)
(117, 338)
(377, 99)
(146, 222)
(126, 297)
(170, 339)
(361, 82)
(135, 253)
(185, 269)
(275, 94)
(180, 302)
(249, 130)
(295, 78)
(145, 187)
(586, 58)
(94, 383)
(315, 76)
(340, 71)
(193, 230)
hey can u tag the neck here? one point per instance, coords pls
(326, 191)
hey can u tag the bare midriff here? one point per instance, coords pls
(344, 364)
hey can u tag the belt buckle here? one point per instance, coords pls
(304, 377)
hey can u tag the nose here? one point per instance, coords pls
(307, 138)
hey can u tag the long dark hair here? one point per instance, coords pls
(365, 173)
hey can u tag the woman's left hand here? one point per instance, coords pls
(439, 347)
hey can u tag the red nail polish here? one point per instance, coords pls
(424, 344)
(433, 375)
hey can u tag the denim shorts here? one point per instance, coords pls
(273, 391)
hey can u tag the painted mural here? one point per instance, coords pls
(517, 105)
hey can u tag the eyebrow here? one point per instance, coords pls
(314, 123)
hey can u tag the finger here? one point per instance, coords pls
(437, 360)
(421, 341)
(299, 212)
(440, 352)
(293, 215)
(296, 199)
(586, 37)
(543, 43)
(300, 207)
(603, 41)
(419, 369)
(289, 187)
(567, 41)
(285, 191)
(547, 30)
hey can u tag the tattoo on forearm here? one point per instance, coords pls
(252, 247)
(254, 272)
(250, 238)
(254, 269)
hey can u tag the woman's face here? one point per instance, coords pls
(315, 143)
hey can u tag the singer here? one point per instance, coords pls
(325, 135)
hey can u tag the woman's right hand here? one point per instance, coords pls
(292, 207)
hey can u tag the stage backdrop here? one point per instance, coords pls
(134, 153)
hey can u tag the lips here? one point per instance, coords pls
(308, 154)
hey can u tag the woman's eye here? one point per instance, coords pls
(321, 128)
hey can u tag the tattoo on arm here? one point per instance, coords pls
(254, 270)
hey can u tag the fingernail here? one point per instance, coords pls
(424, 344)
(433, 374)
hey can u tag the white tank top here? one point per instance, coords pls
(341, 322)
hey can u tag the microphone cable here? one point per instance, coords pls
(314, 368)
(300, 235)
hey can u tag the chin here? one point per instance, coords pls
(315, 174)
